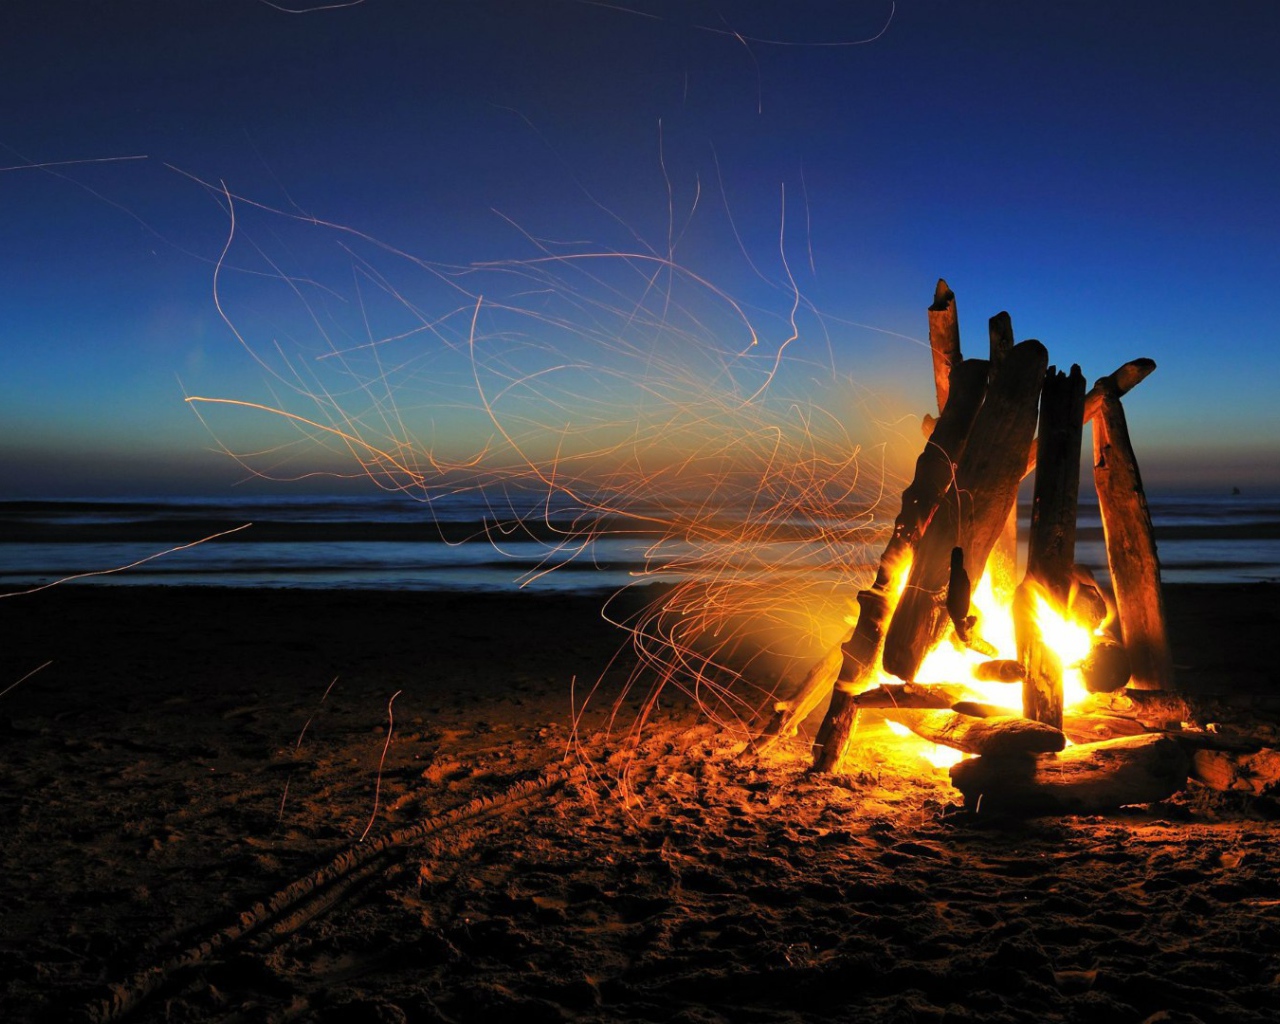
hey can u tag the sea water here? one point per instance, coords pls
(475, 541)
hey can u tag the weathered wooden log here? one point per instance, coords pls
(1131, 546)
(996, 736)
(944, 340)
(936, 696)
(1091, 728)
(976, 509)
(1082, 779)
(999, 670)
(1051, 542)
(1125, 378)
(1256, 772)
(1122, 380)
(935, 468)
(1000, 331)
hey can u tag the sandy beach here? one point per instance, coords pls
(189, 753)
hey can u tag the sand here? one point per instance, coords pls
(188, 754)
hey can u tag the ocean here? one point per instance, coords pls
(466, 542)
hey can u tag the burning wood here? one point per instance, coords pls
(960, 502)
(999, 670)
(908, 695)
(860, 659)
(1052, 541)
(985, 488)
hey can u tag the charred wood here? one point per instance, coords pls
(975, 511)
(935, 468)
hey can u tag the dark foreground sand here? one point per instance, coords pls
(176, 764)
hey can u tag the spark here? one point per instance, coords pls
(131, 565)
(14, 685)
(377, 787)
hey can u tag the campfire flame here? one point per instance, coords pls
(950, 661)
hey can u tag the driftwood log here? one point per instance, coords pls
(944, 340)
(1131, 546)
(1123, 379)
(1051, 543)
(999, 670)
(1082, 779)
(976, 509)
(861, 654)
(995, 736)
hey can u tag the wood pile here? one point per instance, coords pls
(1138, 740)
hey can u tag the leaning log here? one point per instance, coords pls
(996, 736)
(944, 340)
(935, 469)
(1083, 779)
(1131, 546)
(976, 509)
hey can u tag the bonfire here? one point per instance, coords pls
(1079, 711)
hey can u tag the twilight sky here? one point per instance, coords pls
(1107, 172)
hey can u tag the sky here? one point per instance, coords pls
(369, 214)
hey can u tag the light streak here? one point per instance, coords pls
(131, 565)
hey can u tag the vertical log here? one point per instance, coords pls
(944, 339)
(935, 469)
(1000, 331)
(1131, 546)
(975, 511)
(1124, 379)
(1051, 543)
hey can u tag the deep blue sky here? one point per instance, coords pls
(1105, 171)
